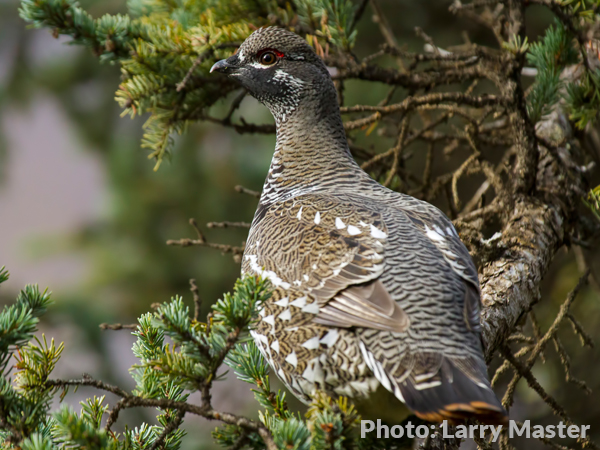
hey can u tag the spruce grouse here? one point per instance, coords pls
(370, 286)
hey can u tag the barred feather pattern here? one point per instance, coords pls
(299, 256)
(339, 248)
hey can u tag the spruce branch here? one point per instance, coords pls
(160, 383)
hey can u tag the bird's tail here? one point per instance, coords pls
(458, 391)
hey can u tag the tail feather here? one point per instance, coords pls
(437, 388)
(454, 395)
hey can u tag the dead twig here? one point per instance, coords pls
(196, 297)
(243, 190)
(227, 224)
(236, 251)
(117, 326)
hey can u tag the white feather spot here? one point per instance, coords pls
(374, 384)
(362, 387)
(433, 235)
(377, 233)
(286, 315)
(332, 377)
(426, 376)
(292, 359)
(330, 338)
(421, 386)
(339, 224)
(313, 308)
(344, 390)
(439, 230)
(312, 343)
(300, 302)
(305, 277)
(259, 338)
(270, 319)
(281, 373)
(299, 215)
(275, 346)
(353, 231)
(314, 373)
(318, 218)
(283, 302)
(269, 274)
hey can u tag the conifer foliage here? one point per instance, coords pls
(166, 374)
(165, 49)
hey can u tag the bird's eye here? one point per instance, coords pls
(268, 58)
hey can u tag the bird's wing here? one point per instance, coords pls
(367, 306)
(331, 250)
(438, 228)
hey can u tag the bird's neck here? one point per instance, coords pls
(311, 154)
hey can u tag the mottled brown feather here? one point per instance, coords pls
(368, 306)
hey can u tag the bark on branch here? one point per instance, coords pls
(534, 232)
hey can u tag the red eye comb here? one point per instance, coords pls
(277, 52)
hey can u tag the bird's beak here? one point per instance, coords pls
(223, 66)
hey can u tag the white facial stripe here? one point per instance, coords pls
(284, 76)
(258, 65)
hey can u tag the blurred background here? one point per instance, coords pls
(83, 213)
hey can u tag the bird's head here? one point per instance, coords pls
(279, 69)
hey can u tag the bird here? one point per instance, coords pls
(371, 288)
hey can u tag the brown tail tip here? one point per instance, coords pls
(457, 413)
